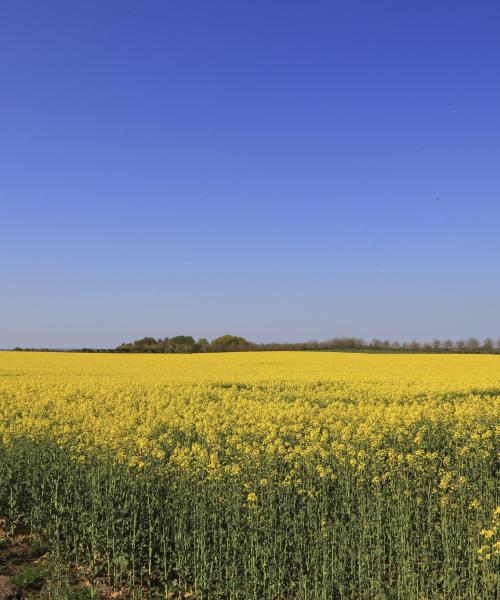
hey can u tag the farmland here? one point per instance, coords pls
(264, 476)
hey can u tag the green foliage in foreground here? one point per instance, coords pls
(189, 534)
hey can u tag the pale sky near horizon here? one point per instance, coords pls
(283, 171)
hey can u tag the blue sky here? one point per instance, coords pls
(277, 170)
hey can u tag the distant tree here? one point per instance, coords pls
(487, 345)
(229, 343)
(345, 343)
(125, 347)
(448, 345)
(436, 345)
(182, 344)
(473, 344)
(203, 345)
(146, 344)
(146, 341)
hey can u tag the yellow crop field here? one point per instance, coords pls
(266, 475)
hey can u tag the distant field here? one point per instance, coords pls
(264, 476)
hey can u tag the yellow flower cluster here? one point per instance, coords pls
(384, 449)
(230, 413)
(491, 538)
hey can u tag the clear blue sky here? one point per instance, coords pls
(277, 170)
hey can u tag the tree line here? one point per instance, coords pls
(186, 344)
(233, 343)
(182, 344)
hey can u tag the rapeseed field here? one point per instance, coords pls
(263, 476)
